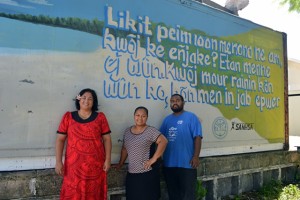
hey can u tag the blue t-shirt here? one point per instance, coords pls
(180, 131)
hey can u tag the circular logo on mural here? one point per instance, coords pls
(220, 128)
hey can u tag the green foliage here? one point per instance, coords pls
(275, 190)
(294, 5)
(271, 190)
(94, 27)
(290, 192)
(200, 190)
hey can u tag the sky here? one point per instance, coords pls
(271, 14)
(268, 13)
(94, 9)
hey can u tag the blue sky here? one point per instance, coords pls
(167, 11)
(92, 8)
(61, 8)
(78, 8)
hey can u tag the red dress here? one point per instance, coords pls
(84, 177)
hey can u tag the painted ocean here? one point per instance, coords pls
(24, 37)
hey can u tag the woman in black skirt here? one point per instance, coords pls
(143, 179)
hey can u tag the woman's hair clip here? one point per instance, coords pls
(78, 97)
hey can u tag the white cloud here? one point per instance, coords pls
(41, 2)
(13, 3)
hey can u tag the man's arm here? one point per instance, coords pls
(195, 162)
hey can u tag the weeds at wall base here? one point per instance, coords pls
(275, 190)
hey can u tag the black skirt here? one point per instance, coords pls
(143, 186)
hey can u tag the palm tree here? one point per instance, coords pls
(294, 5)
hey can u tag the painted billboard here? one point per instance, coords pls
(229, 70)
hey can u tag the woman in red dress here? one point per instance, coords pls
(88, 150)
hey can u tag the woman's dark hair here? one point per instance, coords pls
(95, 99)
(141, 107)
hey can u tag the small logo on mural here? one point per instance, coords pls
(242, 126)
(220, 128)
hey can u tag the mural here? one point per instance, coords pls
(229, 70)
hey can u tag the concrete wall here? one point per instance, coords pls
(221, 176)
(294, 103)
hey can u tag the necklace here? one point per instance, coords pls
(84, 116)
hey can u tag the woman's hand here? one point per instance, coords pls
(148, 163)
(59, 146)
(59, 168)
(106, 165)
(122, 159)
(117, 166)
(161, 145)
(107, 146)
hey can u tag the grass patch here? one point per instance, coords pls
(275, 190)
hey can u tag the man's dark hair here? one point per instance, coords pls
(181, 97)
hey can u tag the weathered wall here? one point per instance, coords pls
(221, 176)
(225, 67)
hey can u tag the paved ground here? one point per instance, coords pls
(40, 198)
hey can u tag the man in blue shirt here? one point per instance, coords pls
(181, 157)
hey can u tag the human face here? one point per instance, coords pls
(86, 101)
(140, 117)
(176, 104)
